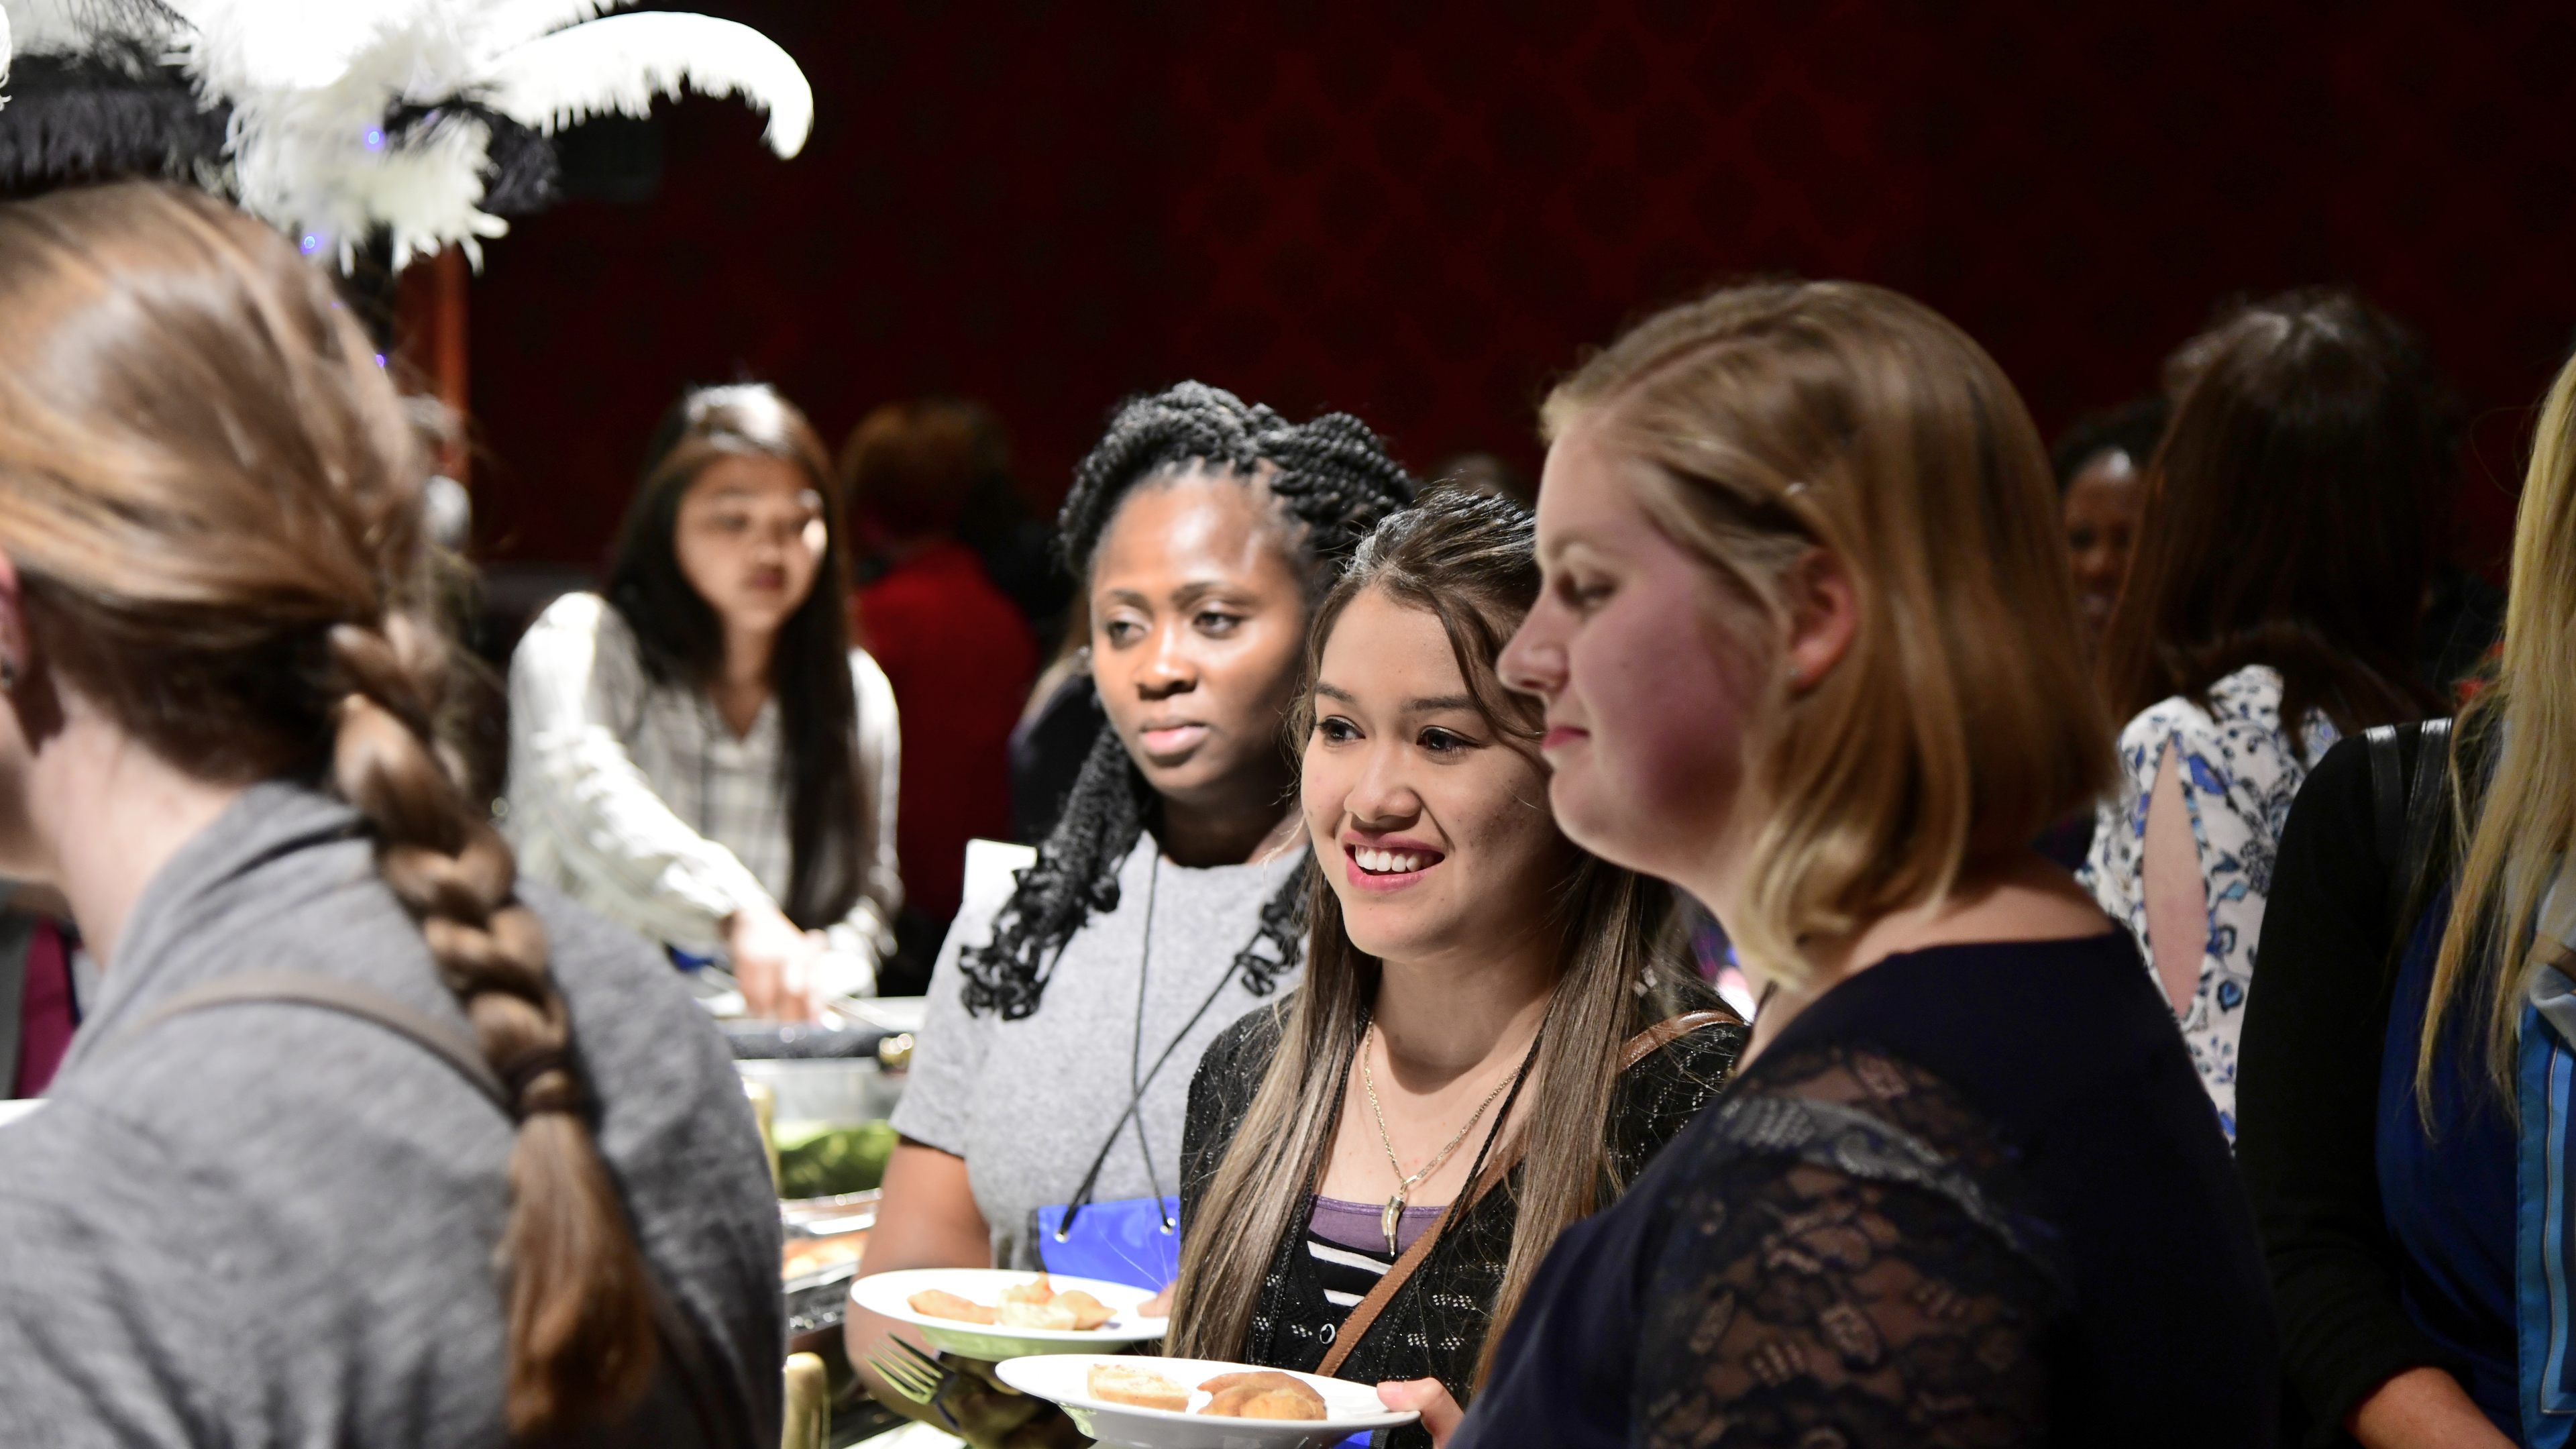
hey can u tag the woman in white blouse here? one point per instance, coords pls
(2271, 608)
(700, 754)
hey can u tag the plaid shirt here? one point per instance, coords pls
(638, 801)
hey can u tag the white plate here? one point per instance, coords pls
(1349, 1408)
(885, 1293)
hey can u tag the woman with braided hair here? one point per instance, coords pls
(1069, 1008)
(363, 1141)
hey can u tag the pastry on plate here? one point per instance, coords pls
(940, 1303)
(1019, 1313)
(1139, 1387)
(1262, 1394)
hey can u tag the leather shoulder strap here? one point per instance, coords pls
(1664, 1033)
(1363, 1316)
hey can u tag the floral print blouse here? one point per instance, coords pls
(2239, 771)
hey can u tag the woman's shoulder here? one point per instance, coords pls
(1240, 1054)
(579, 625)
(1676, 1076)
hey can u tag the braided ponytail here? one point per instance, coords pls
(579, 1315)
(1333, 481)
(211, 492)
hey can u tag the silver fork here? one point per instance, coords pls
(911, 1372)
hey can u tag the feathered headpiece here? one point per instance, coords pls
(427, 119)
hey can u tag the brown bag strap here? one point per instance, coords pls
(1363, 1316)
(1667, 1031)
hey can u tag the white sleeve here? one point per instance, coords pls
(571, 780)
(860, 941)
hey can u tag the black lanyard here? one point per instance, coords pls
(1137, 1085)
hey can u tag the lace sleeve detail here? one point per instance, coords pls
(1847, 1273)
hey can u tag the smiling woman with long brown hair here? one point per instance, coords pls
(1495, 1032)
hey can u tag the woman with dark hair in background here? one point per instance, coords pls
(1495, 1030)
(700, 755)
(1069, 1004)
(957, 653)
(362, 1143)
(2101, 467)
(2271, 609)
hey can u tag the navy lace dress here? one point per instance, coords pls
(1973, 1196)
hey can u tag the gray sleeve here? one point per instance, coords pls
(124, 1313)
(938, 1101)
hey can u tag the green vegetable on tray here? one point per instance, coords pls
(826, 1159)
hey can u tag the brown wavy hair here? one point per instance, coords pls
(1782, 417)
(211, 491)
(2292, 517)
(1469, 562)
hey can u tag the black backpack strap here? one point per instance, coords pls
(2388, 805)
(2424, 805)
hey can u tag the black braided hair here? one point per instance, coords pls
(1334, 481)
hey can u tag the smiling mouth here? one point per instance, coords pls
(1372, 861)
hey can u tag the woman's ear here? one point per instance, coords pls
(1823, 606)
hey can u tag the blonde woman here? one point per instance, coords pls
(2407, 1046)
(1808, 648)
(1489, 1042)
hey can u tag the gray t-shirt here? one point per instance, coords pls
(275, 1224)
(1028, 1103)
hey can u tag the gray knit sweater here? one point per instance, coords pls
(275, 1224)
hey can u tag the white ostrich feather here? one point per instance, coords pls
(621, 62)
(309, 84)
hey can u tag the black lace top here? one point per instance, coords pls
(1435, 1325)
(1973, 1196)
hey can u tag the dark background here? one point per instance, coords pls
(1422, 213)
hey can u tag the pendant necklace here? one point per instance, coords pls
(1392, 1216)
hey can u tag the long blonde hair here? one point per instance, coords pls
(1784, 417)
(211, 492)
(2525, 814)
(1467, 561)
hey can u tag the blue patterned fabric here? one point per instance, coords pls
(2239, 771)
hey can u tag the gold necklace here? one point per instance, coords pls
(1392, 1216)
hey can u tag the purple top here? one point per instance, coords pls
(1360, 1225)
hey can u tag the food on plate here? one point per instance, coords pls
(828, 1159)
(813, 1255)
(1034, 1304)
(1140, 1388)
(1088, 1312)
(940, 1303)
(1023, 1314)
(1263, 1394)
(1037, 1290)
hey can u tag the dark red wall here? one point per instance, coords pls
(1421, 213)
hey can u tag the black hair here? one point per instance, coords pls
(2134, 428)
(682, 641)
(1334, 481)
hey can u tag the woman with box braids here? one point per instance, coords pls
(1167, 897)
(1332, 481)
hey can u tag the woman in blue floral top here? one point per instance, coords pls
(2272, 610)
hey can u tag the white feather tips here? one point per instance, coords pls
(621, 62)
